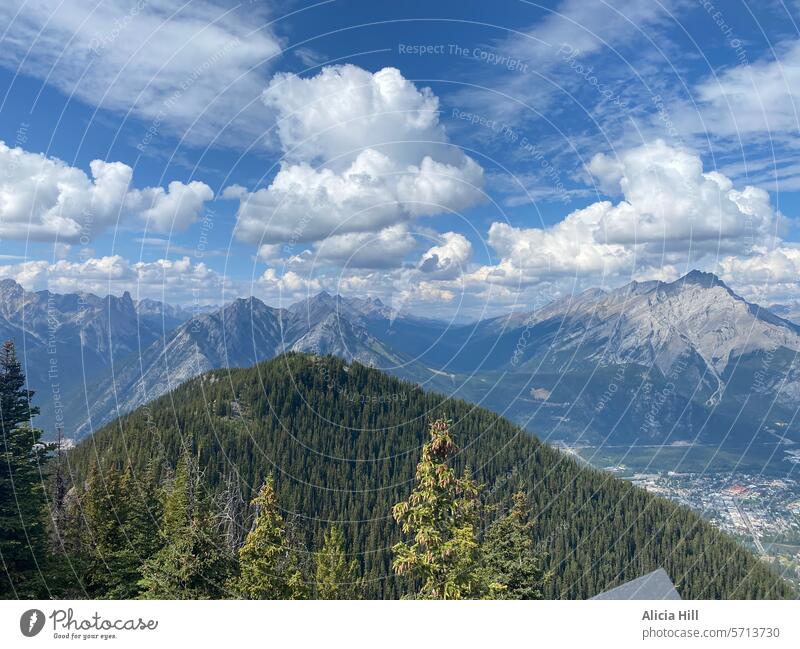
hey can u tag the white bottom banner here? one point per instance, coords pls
(399, 624)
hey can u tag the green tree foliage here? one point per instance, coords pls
(23, 513)
(350, 437)
(269, 566)
(119, 520)
(335, 576)
(440, 515)
(514, 565)
(193, 562)
(102, 536)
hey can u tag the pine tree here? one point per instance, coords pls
(125, 535)
(514, 566)
(23, 516)
(193, 562)
(144, 508)
(101, 506)
(441, 516)
(269, 565)
(336, 578)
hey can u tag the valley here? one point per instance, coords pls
(683, 383)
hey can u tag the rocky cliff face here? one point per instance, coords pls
(650, 361)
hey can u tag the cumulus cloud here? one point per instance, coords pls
(668, 198)
(333, 116)
(768, 276)
(173, 209)
(192, 66)
(179, 279)
(363, 152)
(286, 287)
(672, 215)
(305, 204)
(448, 259)
(387, 248)
(44, 199)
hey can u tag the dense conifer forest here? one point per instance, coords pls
(307, 477)
(337, 446)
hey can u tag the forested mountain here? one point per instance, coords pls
(342, 442)
(238, 335)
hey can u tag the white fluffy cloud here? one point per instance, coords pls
(766, 277)
(673, 215)
(179, 279)
(287, 287)
(384, 249)
(333, 116)
(381, 159)
(188, 64)
(44, 199)
(304, 204)
(448, 259)
(175, 208)
(668, 198)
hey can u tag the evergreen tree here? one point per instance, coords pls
(144, 509)
(514, 566)
(269, 565)
(336, 578)
(193, 562)
(441, 513)
(120, 530)
(23, 514)
(101, 506)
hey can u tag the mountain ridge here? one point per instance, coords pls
(723, 348)
(293, 417)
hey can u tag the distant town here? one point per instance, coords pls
(762, 511)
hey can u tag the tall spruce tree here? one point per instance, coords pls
(141, 526)
(335, 576)
(269, 563)
(23, 515)
(440, 515)
(120, 531)
(101, 506)
(193, 562)
(514, 565)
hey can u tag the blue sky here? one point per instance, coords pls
(449, 157)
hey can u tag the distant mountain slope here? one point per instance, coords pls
(68, 341)
(673, 363)
(166, 317)
(239, 335)
(343, 440)
(667, 362)
(787, 311)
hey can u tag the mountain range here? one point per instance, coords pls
(669, 363)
